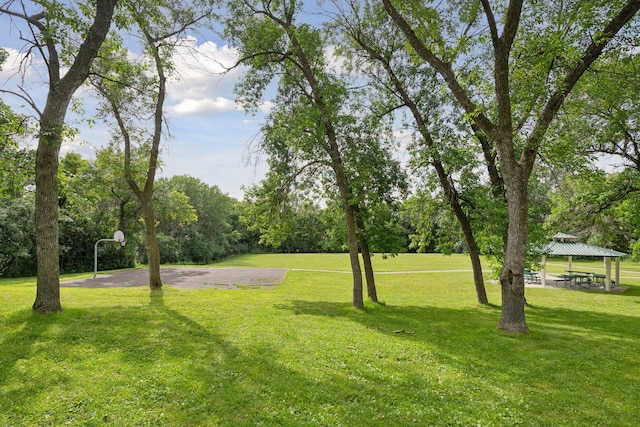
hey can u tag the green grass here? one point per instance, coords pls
(340, 262)
(300, 355)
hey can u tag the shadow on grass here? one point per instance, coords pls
(385, 317)
(555, 366)
(431, 320)
(27, 329)
(471, 332)
(151, 364)
(631, 291)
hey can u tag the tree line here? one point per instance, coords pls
(198, 224)
(195, 222)
(499, 100)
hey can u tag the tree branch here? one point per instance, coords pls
(493, 28)
(25, 97)
(593, 51)
(444, 69)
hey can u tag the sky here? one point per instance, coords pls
(211, 137)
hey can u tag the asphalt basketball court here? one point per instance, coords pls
(188, 278)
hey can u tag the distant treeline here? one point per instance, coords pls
(196, 222)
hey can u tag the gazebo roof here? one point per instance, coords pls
(562, 237)
(579, 249)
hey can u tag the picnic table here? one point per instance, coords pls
(531, 276)
(600, 280)
(577, 278)
(585, 279)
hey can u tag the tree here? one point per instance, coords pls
(213, 236)
(600, 208)
(18, 249)
(376, 48)
(376, 176)
(131, 89)
(284, 220)
(17, 164)
(88, 211)
(53, 31)
(196, 221)
(308, 129)
(127, 103)
(174, 214)
(602, 115)
(110, 174)
(538, 52)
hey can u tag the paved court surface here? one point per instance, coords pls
(188, 278)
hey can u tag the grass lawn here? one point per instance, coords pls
(300, 355)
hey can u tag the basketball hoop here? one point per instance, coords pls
(118, 236)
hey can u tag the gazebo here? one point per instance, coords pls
(568, 245)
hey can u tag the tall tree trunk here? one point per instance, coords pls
(61, 89)
(333, 150)
(372, 293)
(472, 246)
(151, 242)
(352, 233)
(476, 265)
(512, 317)
(467, 231)
(46, 218)
(352, 241)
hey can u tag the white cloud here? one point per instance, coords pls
(28, 71)
(12, 65)
(203, 106)
(210, 134)
(204, 78)
(266, 106)
(77, 146)
(335, 62)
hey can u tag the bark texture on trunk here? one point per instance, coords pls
(372, 293)
(61, 90)
(512, 318)
(352, 239)
(46, 224)
(151, 243)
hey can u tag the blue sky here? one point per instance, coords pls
(212, 138)
(210, 135)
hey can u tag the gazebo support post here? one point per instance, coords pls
(570, 263)
(607, 270)
(617, 271)
(543, 271)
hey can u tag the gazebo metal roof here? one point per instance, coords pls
(563, 237)
(579, 249)
(567, 245)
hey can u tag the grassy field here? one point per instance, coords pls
(300, 355)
